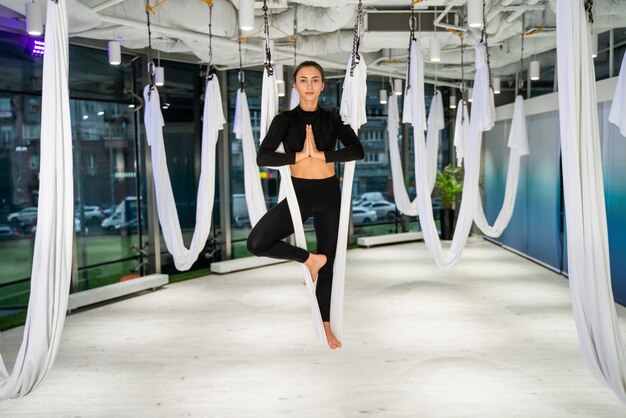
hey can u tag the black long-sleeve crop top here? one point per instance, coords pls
(290, 128)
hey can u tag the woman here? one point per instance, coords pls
(309, 135)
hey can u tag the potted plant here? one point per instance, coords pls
(448, 185)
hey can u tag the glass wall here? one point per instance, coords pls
(105, 169)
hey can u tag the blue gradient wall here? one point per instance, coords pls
(535, 228)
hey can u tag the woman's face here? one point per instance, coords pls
(308, 83)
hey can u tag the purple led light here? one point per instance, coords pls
(35, 47)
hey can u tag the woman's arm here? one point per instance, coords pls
(267, 155)
(352, 150)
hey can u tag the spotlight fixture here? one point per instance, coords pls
(383, 96)
(85, 117)
(469, 93)
(435, 50)
(159, 76)
(397, 87)
(131, 106)
(475, 13)
(115, 53)
(535, 70)
(100, 113)
(453, 101)
(496, 85)
(281, 89)
(34, 20)
(246, 15)
(165, 106)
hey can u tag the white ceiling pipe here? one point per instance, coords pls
(514, 15)
(106, 5)
(183, 14)
(310, 18)
(494, 22)
(532, 2)
(506, 2)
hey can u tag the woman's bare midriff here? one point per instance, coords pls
(313, 169)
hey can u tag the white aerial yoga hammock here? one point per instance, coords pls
(518, 144)
(213, 122)
(482, 119)
(269, 109)
(435, 125)
(587, 234)
(618, 107)
(52, 255)
(255, 199)
(400, 195)
(353, 113)
(461, 131)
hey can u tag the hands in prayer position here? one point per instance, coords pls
(310, 149)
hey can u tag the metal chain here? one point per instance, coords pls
(356, 40)
(295, 34)
(268, 53)
(520, 81)
(462, 68)
(241, 74)
(150, 62)
(485, 39)
(462, 79)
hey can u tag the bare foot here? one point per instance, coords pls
(314, 263)
(333, 342)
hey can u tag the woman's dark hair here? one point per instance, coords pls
(308, 64)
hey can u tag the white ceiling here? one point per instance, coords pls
(324, 31)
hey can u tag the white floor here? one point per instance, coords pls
(493, 337)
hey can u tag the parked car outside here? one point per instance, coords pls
(367, 197)
(8, 232)
(91, 213)
(25, 216)
(382, 208)
(361, 215)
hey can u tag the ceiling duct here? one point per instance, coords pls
(383, 21)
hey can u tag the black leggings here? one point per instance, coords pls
(320, 199)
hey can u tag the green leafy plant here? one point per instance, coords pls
(448, 185)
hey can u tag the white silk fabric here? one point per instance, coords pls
(213, 122)
(518, 145)
(482, 119)
(294, 99)
(52, 255)
(255, 199)
(599, 336)
(435, 125)
(461, 131)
